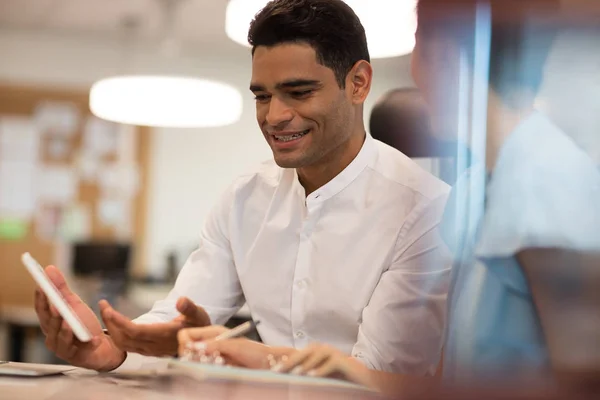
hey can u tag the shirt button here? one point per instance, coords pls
(301, 284)
(299, 335)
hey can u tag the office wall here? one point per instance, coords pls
(189, 168)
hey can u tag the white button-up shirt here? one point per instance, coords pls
(356, 264)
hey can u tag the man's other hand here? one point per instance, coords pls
(155, 339)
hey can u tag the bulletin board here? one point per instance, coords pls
(68, 153)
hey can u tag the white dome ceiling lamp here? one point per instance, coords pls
(389, 24)
(166, 100)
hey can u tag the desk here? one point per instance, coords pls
(82, 384)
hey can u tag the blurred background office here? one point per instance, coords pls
(111, 180)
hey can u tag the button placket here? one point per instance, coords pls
(300, 278)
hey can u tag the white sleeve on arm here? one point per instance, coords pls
(403, 324)
(209, 278)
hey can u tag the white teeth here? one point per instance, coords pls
(287, 138)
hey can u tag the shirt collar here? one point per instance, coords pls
(344, 178)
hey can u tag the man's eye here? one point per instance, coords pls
(301, 93)
(261, 97)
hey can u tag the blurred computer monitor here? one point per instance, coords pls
(101, 259)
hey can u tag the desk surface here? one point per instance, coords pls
(81, 384)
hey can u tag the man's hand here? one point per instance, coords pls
(193, 335)
(325, 361)
(240, 352)
(99, 354)
(156, 339)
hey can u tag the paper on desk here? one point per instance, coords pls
(19, 139)
(57, 185)
(211, 371)
(34, 370)
(17, 189)
(58, 119)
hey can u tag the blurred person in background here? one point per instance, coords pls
(523, 304)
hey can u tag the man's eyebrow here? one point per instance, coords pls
(297, 83)
(288, 84)
(257, 88)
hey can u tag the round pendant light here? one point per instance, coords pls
(165, 101)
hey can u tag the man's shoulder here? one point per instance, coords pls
(544, 158)
(400, 170)
(265, 175)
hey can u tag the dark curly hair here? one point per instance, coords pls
(330, 27)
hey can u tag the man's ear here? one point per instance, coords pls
(358, 81)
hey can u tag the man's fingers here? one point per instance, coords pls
(41, 302)
(185, 306)
(53, 330)
(116, 331)
(314, 360)
(194, 315)
(240, 351)
(72, 352)
(294, 360)
(42, 310)
(340, 367)
(64, 341)
(146, 339)
(57, 278)
(65, 334)
(54, 312)
(114, 320)
(328, 368)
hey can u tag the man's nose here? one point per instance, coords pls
(278, 113)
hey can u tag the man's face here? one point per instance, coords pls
(300, 108)
(435, 67)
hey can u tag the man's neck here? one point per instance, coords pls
(501, 122)
(315, 176)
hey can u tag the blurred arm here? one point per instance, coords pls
(565, 285)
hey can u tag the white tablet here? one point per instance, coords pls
(54, 296)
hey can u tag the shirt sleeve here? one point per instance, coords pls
(209, 278)
(403, 324)
(543, 204)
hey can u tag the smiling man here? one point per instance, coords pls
(334, 240)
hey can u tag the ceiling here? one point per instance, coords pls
(199, 21)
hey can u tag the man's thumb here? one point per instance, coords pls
(194, 315)
(58, 280)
